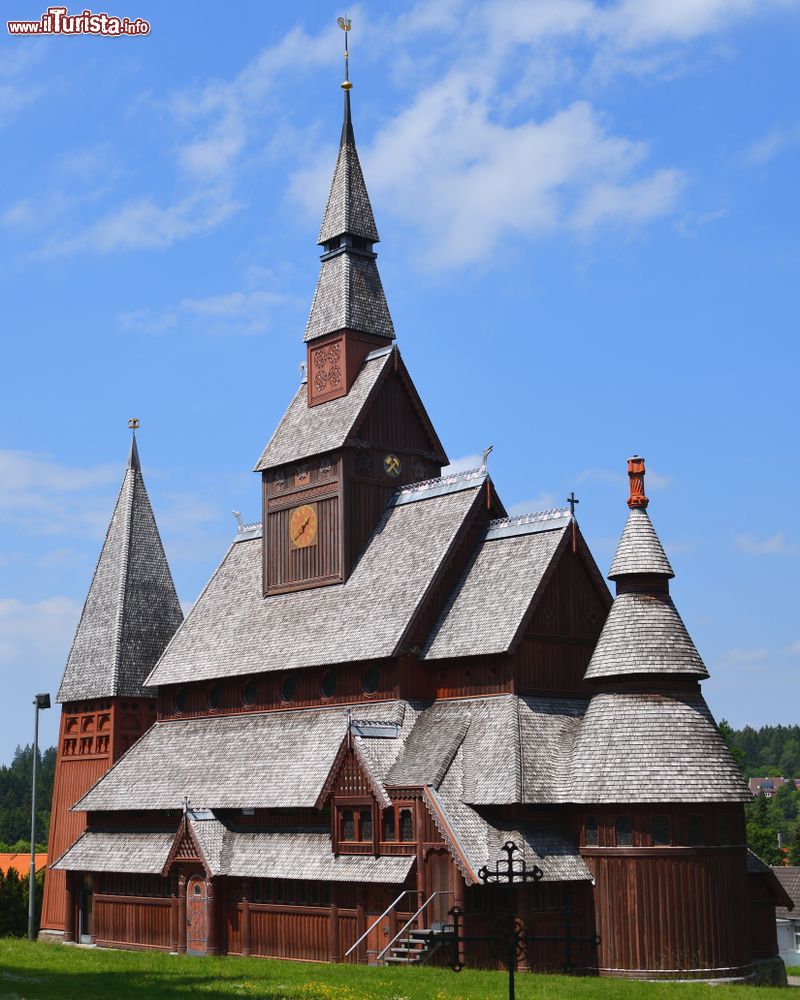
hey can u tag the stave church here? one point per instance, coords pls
(382, 684)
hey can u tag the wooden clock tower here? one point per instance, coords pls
(356, 429)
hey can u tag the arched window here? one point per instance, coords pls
(249, 694)
(406, 825)
(660, 831)
(328, 685)
(697, 831)
(388, 825)
(624, 831)
(590, 837)
(288, 688)
(371, 680)
(214, 696)
(181, 700)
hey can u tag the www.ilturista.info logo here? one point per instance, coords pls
(56, 21)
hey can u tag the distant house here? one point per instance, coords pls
(768, 786)
(788, 920)
(21, 863)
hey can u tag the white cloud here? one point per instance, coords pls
(239, 312)
(776, 544)
(485, 180)
(142, 224)
(43, 495)
(464, 464)
(793, 649)
(38, 631)
(738, 655)
(768, 146)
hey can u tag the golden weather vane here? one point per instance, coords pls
(345, 24)
(133, 423)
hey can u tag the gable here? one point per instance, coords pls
(396, 417)
(574, 601)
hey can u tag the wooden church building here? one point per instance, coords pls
(383, 682)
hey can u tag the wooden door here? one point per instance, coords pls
(378, 899)
(439, 869)
(196, 915)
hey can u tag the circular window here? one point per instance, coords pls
(181, 700)
(328, 685)
(250, 693)
(214, 696)
(288, 688)
(371, 680)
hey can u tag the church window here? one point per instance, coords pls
(388, 825)
(214, 696)
(406, 825)
(365, 824)
(181, 700)
(348, 825)
(371, 680)
(328, 685)
(288, 688)
(660, 831)
(250, 693)
(697, 831)
(725, 830)
(590, 835)
(624, 831)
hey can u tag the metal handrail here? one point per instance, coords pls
(391, 906)
(439, 892)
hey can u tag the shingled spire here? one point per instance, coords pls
(643, 634)
(349, 293)
(132, 610)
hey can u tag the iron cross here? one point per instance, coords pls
(572, 500)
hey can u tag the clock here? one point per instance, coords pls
(303, 526)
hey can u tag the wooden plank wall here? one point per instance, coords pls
(138, 921)
(671, 914)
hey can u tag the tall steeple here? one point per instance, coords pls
(349, 294)
(132, 610)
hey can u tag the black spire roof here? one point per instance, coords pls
(131, 610)
(349, 292)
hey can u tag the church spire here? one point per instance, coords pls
(131, 610)
(349, 293)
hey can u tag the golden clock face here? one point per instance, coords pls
(303, 526)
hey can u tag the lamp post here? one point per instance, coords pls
(39, 702)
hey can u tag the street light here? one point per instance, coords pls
(40, 701)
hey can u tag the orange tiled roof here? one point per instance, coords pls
(21, 862)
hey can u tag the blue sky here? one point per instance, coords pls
(589, 217)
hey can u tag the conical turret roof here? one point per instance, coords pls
(640, 550)
(132, 609)
(643, 634)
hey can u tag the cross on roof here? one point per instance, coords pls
(572, 500)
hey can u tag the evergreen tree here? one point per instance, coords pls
(794, 847)
(762, 837)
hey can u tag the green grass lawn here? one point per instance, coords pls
(55, 972)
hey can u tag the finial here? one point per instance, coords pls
(345, 24)
(485, 457)
(133, 457)
(572, 500)
(636, 476)
(185, 804)
(238, 515)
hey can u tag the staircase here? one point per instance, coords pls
(414, 947)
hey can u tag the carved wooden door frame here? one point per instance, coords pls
(196, 915)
